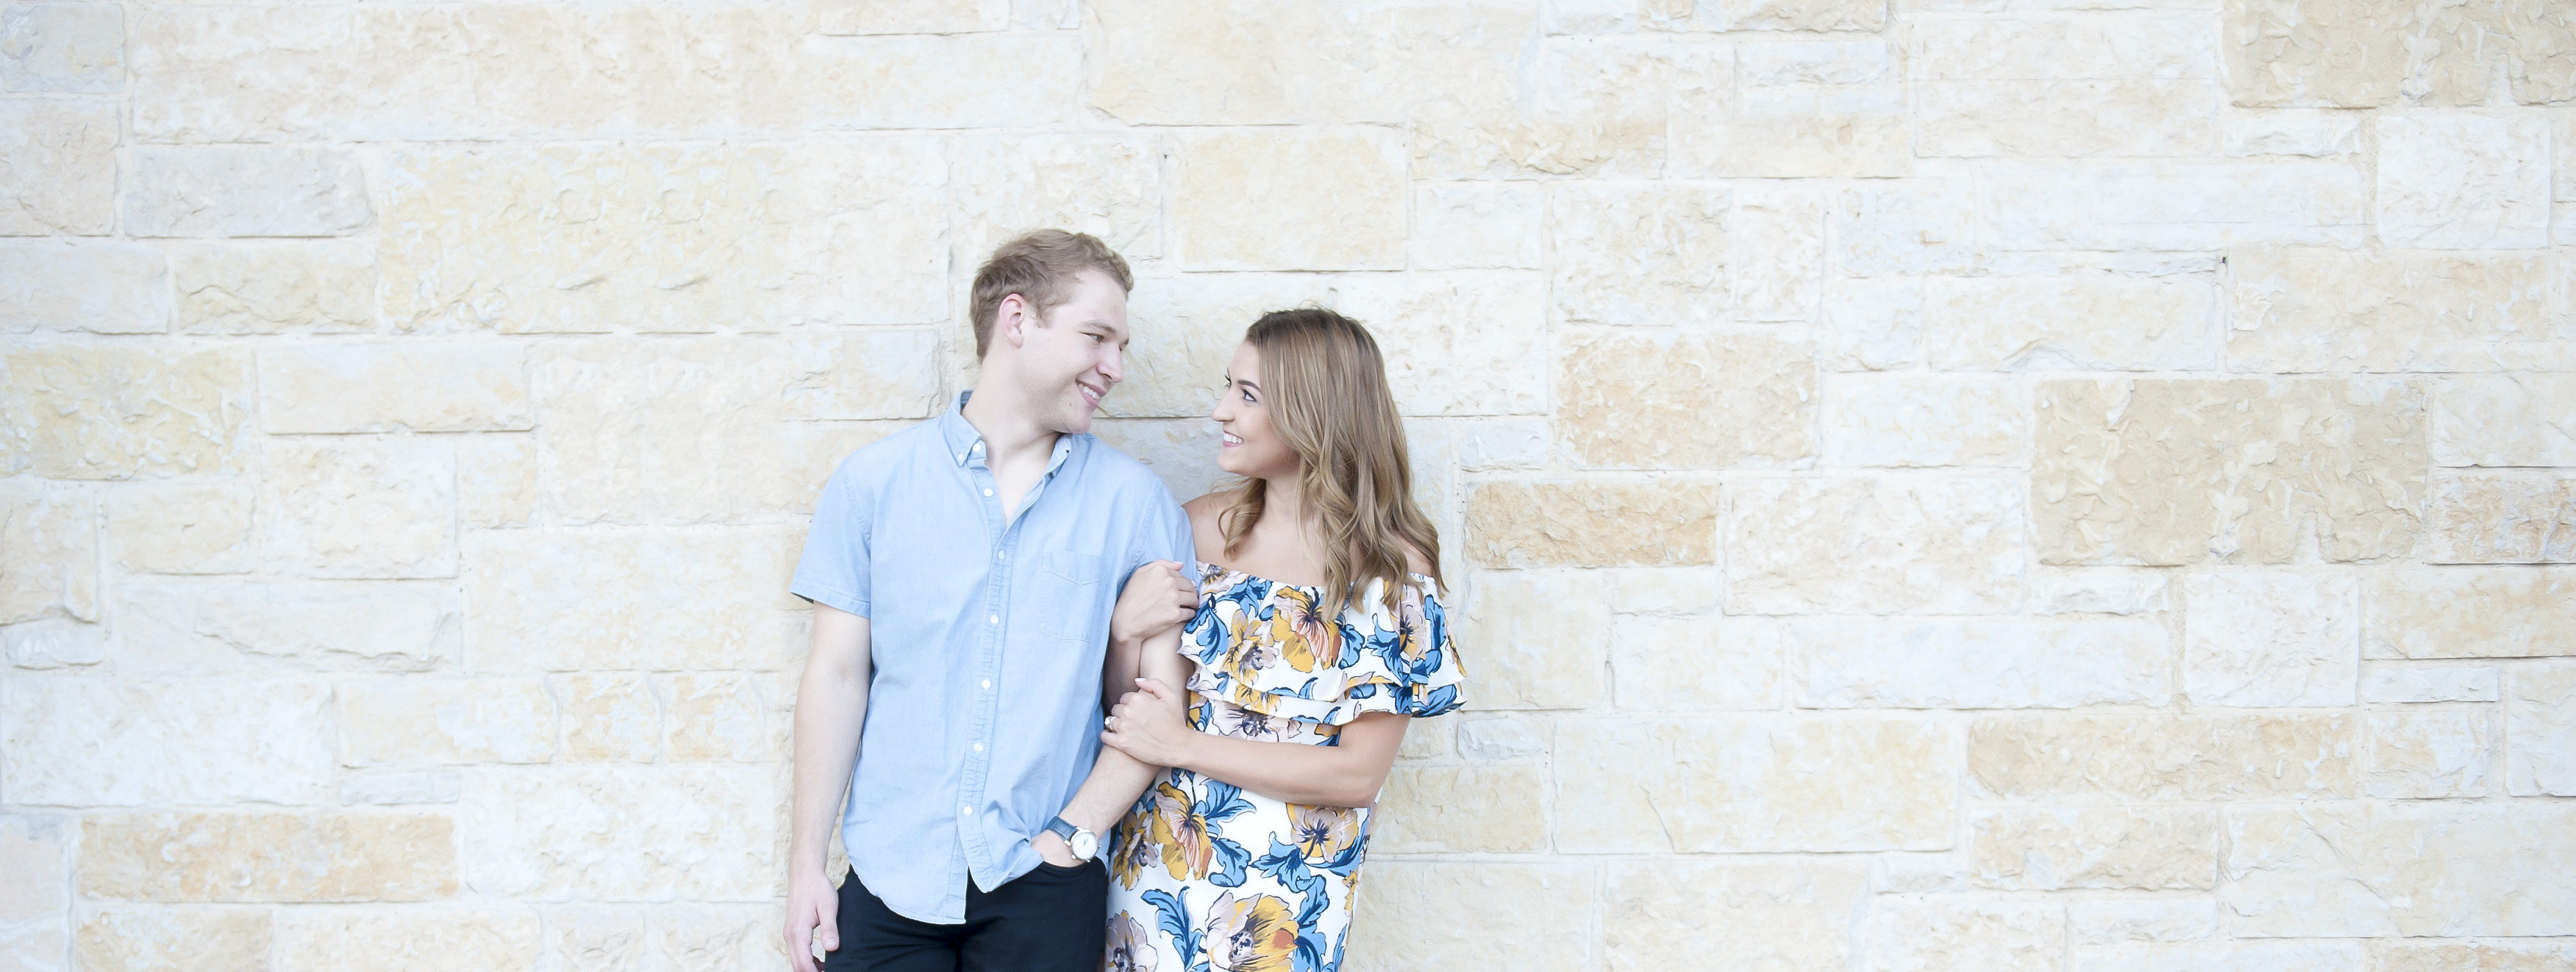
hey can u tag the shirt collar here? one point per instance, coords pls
(967, 445)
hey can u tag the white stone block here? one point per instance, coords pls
(2426, 754)
(63, 48)
(2457, 181)
(104, 288)
(83, 741)
(1981, 664)
(2429, 683)
(2271, 639)
(2540, 730)
(1462, 225)
(1916, 420)
(246, 191)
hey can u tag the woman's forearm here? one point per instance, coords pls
(1344, 775)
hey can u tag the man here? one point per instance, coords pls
(963, 573)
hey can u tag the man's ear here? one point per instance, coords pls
(1012, 319)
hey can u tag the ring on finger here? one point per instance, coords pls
(1109, 722)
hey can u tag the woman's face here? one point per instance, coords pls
(1248, 445)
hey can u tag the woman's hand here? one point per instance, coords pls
(1156, 599)
(1151, 724)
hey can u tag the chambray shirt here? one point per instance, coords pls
(986, 643)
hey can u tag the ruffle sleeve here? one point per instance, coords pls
(1265, 647)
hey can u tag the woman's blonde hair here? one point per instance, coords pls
(1326, 388)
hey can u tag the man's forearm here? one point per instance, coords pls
(831, 705)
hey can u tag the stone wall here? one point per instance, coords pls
(1930, 484)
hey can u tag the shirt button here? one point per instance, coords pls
(965, 811)
(995, 619)
(979, 747)
(988, 492)
(988, 683)
(997, 555)
(961, 457)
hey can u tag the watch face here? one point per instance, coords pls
(1084, 844)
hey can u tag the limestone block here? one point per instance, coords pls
(2315, 53)
(1614, 16)
(582, 938)
(406, 940)
(1503, 443)
(37, 851)
(1670, 523)
(1017, 81)
(1996, 664)
(439, 387)
(1184, 332)
(398, 787)
(2540, 731)
(1913, 420)
(496, 480)
(2350, 868)
(1463, 225)
(214, 939)
(246, 191)
(419, 721)
(2421, 754)
(2263, 639)
(1109, 187)
(54, 643)
(1264, 199)
(2457, 181)
(2498, 519)
(2470, 612)
(360, 507)
(1424, 744)
(2332, 310)
(2145, 45)
(2067, 118)
(244, 857)
(2075, 323)
(656, 600)
(2235, 956)
(63, 48)
(211, 628)
(108, 288)
(181, 527)
(1753, 784)
(1629, 400)
(57, 167)
(1434, 915)
(1666, 590)
(1593, 107)
(1791, 916)
(1788, 130)
(611, 717)
(2116, 922)
(2497, 420)
(2097, 590)
(1182, 451)
(1783, 62)
(50, 533)
(1871, 325)
(1497, 738)
(1461, 343)
(118, 412)
(1890, 544)
(2290, 131)
(2429, 683)
(1801, 15)
(2108, 758)
(1638, 253)
(1539, 639)
(1686, 663)
(911, 16)
(1777, 253)
(323, 287)
(2397, 955)
(645, 833)
(2177, 205)
(1461, 809)
(97, 742)
(2109, 847)
(1919, 226)
(2163, 472)
(727, 716)
(1932, 932)
(718, 938)
(1136, 47)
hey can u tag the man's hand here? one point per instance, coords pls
(1053, 849)
(1156, 599)
(813, 917)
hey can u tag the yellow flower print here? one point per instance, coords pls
(1135, 847)
(1304, 635)
(1322, 833)
(1255, 934)
(1183, 834)
(1129, 950)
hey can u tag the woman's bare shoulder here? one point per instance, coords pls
(1205, 532)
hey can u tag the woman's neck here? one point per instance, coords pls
(1284, 498)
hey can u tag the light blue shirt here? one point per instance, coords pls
(986, 642)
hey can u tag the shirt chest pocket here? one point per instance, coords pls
(1068, 596)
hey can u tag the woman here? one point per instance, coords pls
(1318, 637)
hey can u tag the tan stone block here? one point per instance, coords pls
(438, 387)
(1502, 738)
(1687, 663)
(496, 481)
(275, 287)
(2091, 322)
(1184, 332)
(2315, 53)
(1871, 325)
(1875, 545)
(642, 833)
(37, 851)
(655, 600)
(1424, 743)
(2161, 758)
(181, 527)
(1430, 915)
(917, 81)
(1933, 932)
(2352, 868)
(2497, 420)
(209, 628)
(418, 721)
(2470, 612)
(1982, 664)
(1914, 420)
(2260, 639)
(1326, 199)
(1582, 107)
(2331, 310)
(2488, 956)
(1639, 253)
(63, 48)
(2236, 956)
(2173, 472)
(2500, 518)
(911, 16)
(1459, 343)
(1473, 225)
(2417, 755)
(727, 716)
(1653, 400)
(1140, 45)
(1107, 186)
(584, 938)
(360, 507)
(104, 288)
(2116, 922)
(241, 857)
(118, 412)
(2155, 45)
(100, 742)
(1592, 524)
(1753, 784)
(57, 167)
(718, 938)
(2067, 118)
(199, 939)
(610, 717)
(1534, 639)
(2049, 850)
(2180, 204)
(50, 535)
(1461, 809)
(1666, 590)
(406, 940)
(2540, 730)
(1791, 916)
(1789, 131)
(246, 191)
(2425, 201)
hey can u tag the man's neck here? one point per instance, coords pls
(1009, 433)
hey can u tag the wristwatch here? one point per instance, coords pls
(1085, 844)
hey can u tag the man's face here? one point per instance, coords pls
(1071, 360)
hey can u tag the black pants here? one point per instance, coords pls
(1053, 919)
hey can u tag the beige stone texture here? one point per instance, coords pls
(1932, 932)
(275, 287)
(1442, 914)
(2470, 612)
(2120, 921)
(197, 628)
(1923, 226)
(496, 481)
(1777, 253)
(1639, 253)
(250, 857)
(1689, 663)
(1109, 187)
(2162, 758)
(436, 387)
(2098, 590)
(359, 507)
(392, 788)
(2500, 519)
(2253, 640)
(841, 17)
(424, 722)
(2236, 956)
(1753, 784)
(1460, 810)
(1464, 225)
(2399, 955)
(101, 288)
(1816, 115)
(2463, 181)
(611, 717)
(1464, 343)
(1670, 523)
(106, 742)
(211, 939)
(406, 940)
(63, 48)
(2349, 868)
(714, 938)
(2426, 754)
(2381, 682)
(1541, 638)
(914, 82)
(575, 600)
(1787, 916)
(94, 412)
(1891, 544)
(2315, 133)
(1592, 107)
(727, 716)
(2310, 310)
(2168, 472)
(594, 939)
(1980, 664)
(50, 534)
(181, 527)
(2093, 322)
(1666, 590)
(2489, 420)
(57, 167)
(2072, 118)
(35, 906)
(2046, 850)
(246, 191)
(1261, 199)
(1182, 451)
(1502, 738)
(1920, 421)
(1648, 400)
(2182, 204)
(2540, 730)
(641, 833)
(1870, 325)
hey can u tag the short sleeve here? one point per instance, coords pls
(833, 571)
(1420, 664)
(1163, 533)
(1262, 647)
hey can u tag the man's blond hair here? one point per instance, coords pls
(1040, 266)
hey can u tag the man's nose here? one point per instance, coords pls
(1113, 365)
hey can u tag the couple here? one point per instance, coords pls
(970, 626)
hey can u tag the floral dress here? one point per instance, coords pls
(1208, 877)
